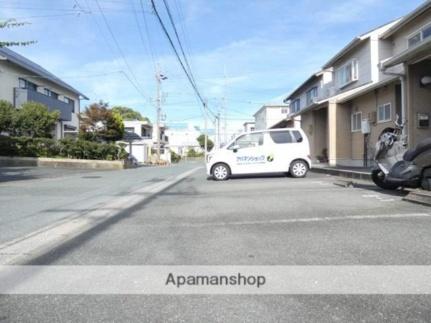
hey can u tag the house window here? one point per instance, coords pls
(356, 121)
(311, 95)
(129, 129)
(296, 105)
(419, 36)
(71, 102)
(50, 93)
(384, 113)
(284, 111)
(347, 73)
(24, 84)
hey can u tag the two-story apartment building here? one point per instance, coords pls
(359, 92)
(411, 62)
(269, 115)
(22, 80)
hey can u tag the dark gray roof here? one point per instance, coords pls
(36, 69)
(131, 136)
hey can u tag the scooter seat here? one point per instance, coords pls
(423, 146)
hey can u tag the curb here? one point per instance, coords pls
(343, 173)
(418, 196)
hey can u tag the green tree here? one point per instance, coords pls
(34, 120)
(99, 123)
(128, 113)
(6, 116)
(10, 23)
(201, 141)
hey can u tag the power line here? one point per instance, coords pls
(141, 35)
(171, 19)
(198, 94)
(120, 51)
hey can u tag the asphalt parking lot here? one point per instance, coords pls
(247, 221)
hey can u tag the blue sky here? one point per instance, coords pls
(250, 51)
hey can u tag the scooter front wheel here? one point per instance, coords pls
(378, 178)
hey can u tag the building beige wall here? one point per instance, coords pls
(367, 104)
(419, 101)
(400, 38)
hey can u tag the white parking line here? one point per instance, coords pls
(301, 220)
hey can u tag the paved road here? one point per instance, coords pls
(32, 198)
(246, 221)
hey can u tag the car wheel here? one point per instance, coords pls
(298, 169)
(221, 172)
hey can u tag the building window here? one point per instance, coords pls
(296, 105)
(129, 129)
(384, 113)
(284, 111)
(311, 95)
(50, 93)
(24, 84)
(71, 102)
(419, 36)
(347, 73)
(356, 121)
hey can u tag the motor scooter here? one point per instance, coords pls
(399, 167)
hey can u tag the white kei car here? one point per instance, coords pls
(267, 151)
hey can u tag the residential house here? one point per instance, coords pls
(140, 140)
(22, 80)
(183, 137)
(249, 126)
(270, 115)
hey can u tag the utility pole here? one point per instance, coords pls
(224, 109)
(159, 79)
(218, 131)
(206, 129)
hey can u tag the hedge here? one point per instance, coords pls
(64, 148)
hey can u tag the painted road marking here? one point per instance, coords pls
(301, 220)
(42, 240)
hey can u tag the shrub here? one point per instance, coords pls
(67, 148)
(6, 116)
(175, 158)
(34, 120)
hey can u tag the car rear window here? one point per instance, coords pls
(281, 137)
(297, 136)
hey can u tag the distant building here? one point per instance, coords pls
(141, 143)
(249, 126)
(269, 115)
(22, 80)
(183, 137)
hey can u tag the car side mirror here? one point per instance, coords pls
(235, 148)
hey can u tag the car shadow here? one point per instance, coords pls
(254, 176)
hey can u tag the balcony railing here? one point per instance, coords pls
(26, 95)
